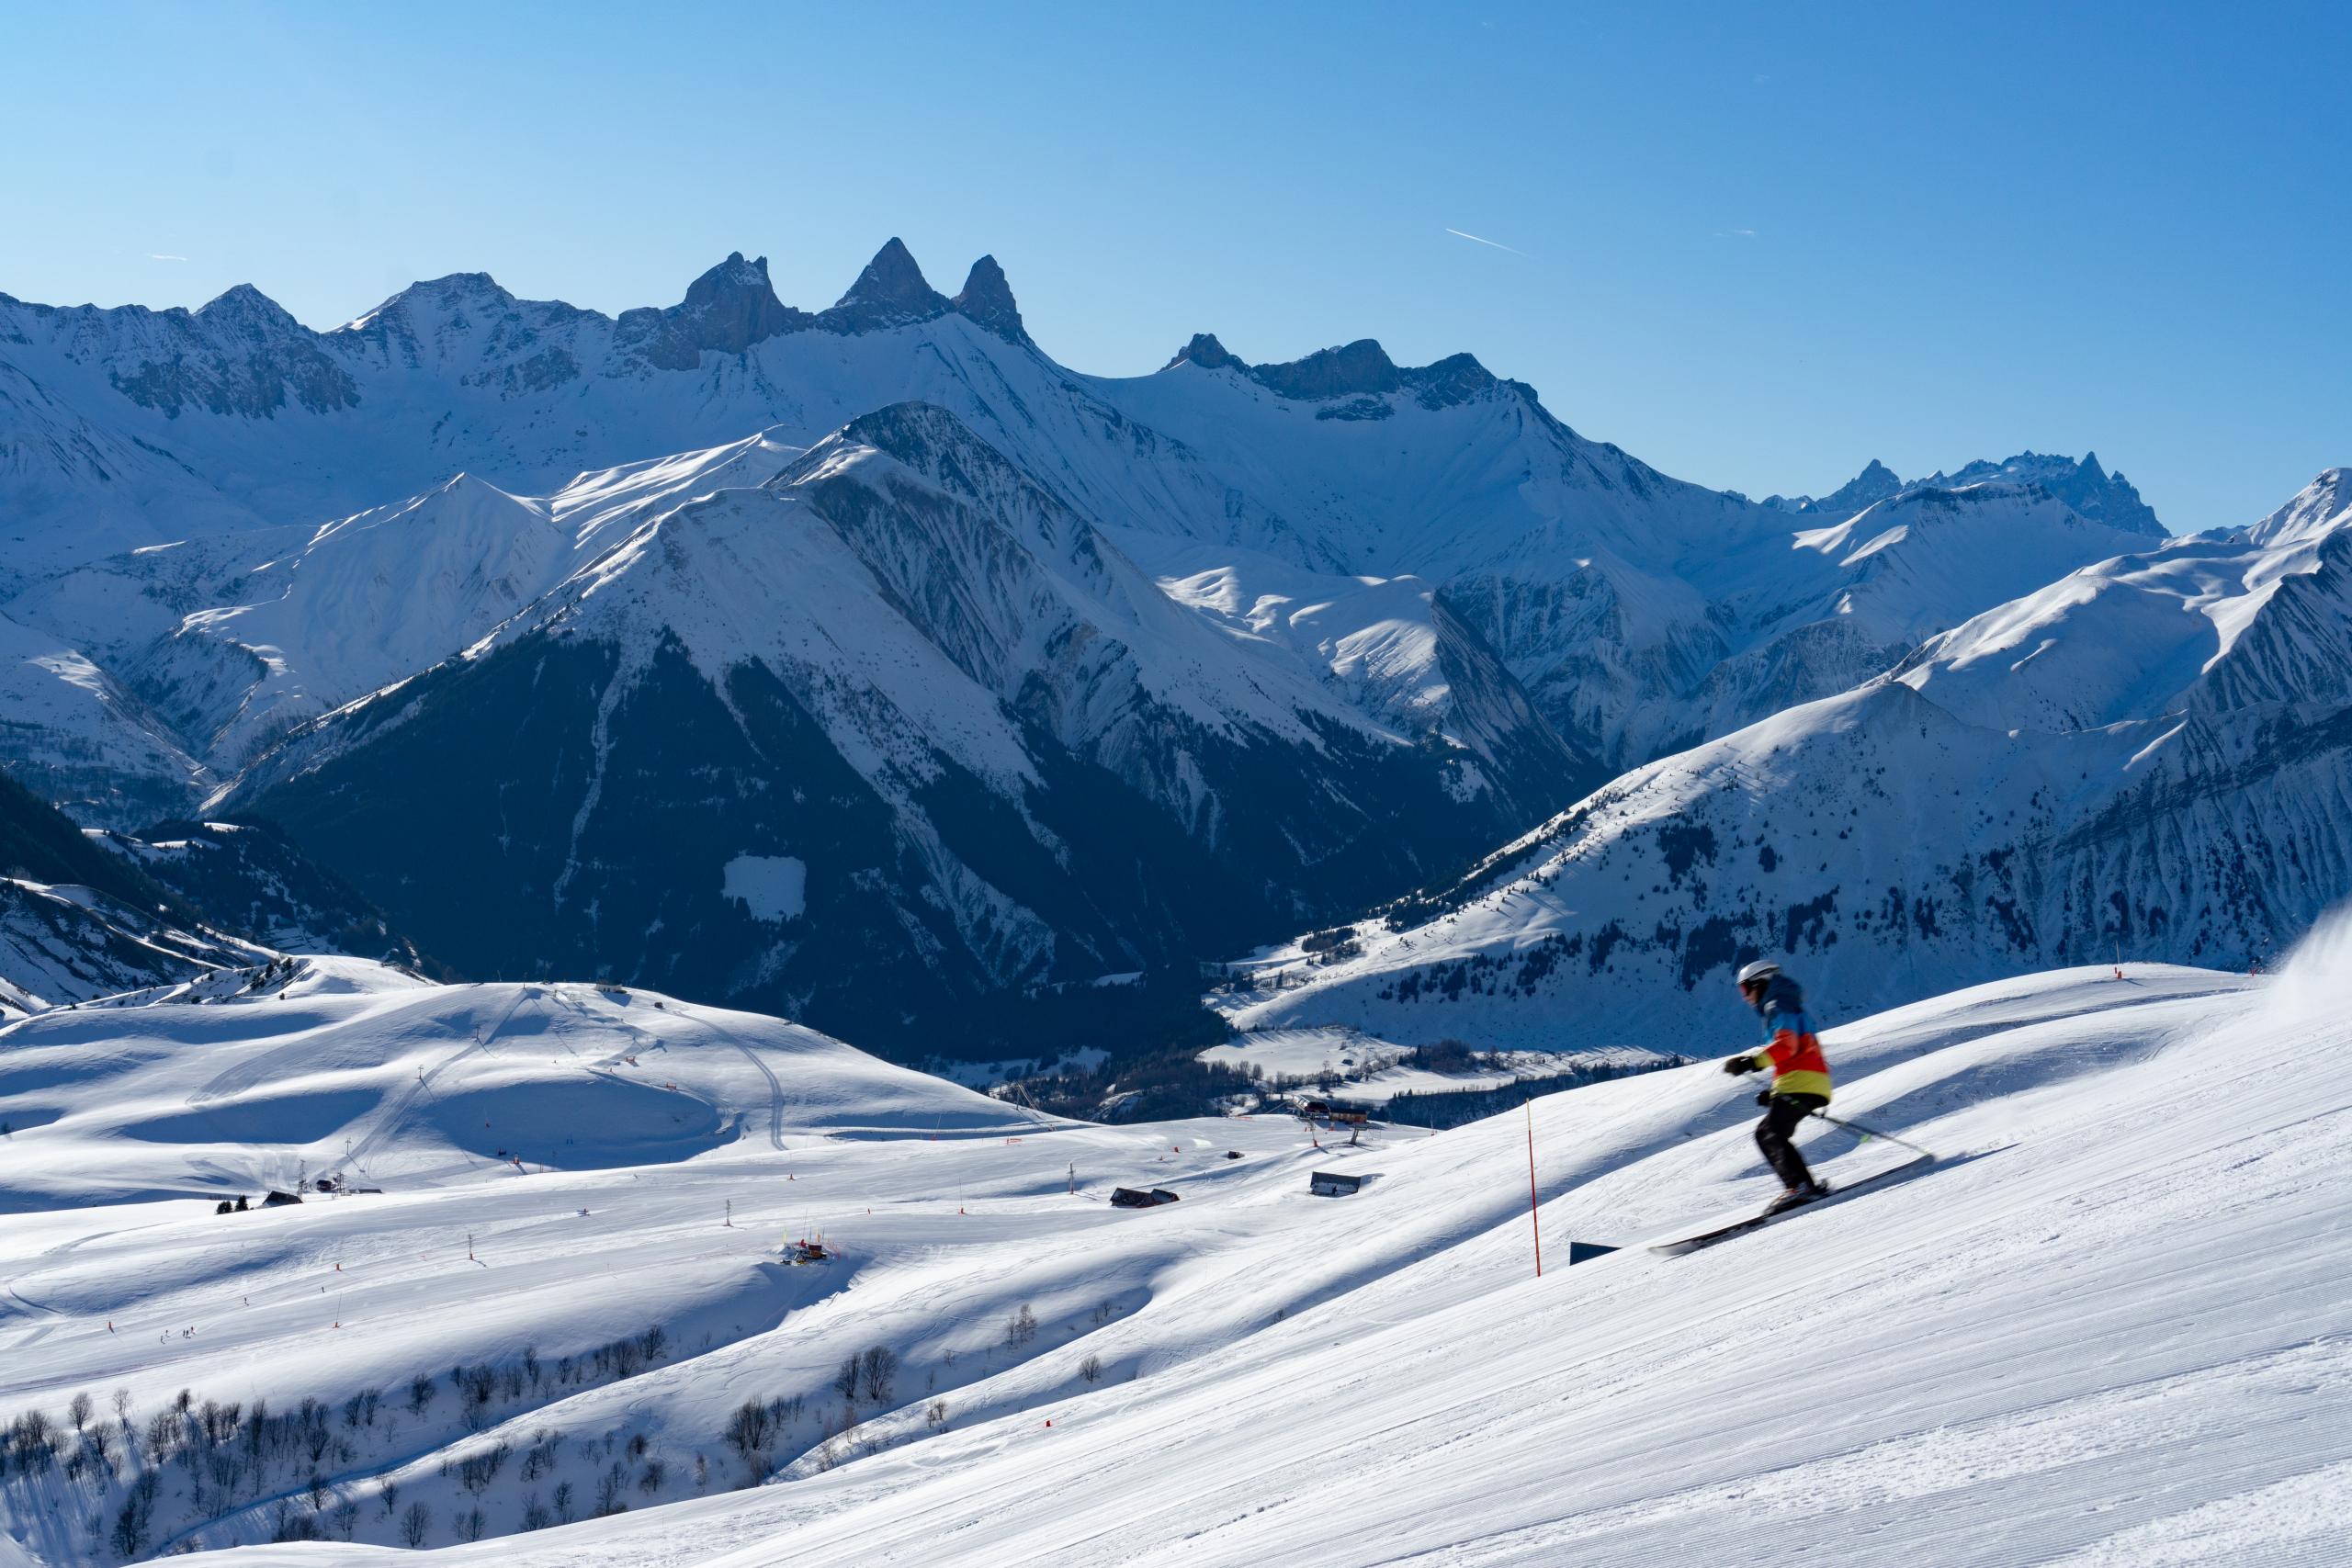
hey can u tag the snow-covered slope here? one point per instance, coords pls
(260, 1077)
(78, 922)
(2206, 626)
(249, 878)
(2151, 756)
(1643, 613)
(2075, 1338)
(62, 943)
(70, 730)
(993, 751)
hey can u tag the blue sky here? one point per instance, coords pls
(1755, 247)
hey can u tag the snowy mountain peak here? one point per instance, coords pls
(459, 286)
(2322, 507)
(890, 292)
(2097, 495)
(246, 308)
(986, 299)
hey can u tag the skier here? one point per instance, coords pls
(1800, 1077)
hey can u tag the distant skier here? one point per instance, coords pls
(1800, 1077)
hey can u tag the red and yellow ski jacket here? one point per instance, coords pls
(1791, 1050)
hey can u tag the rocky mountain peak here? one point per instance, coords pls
(1873, 484)
(1205, 352)
(1456, 379)
(986, 299)
(732, 305)
(1357, 370)
(247, 309)
(890, 292)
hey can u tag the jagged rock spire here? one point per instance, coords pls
(986, 299)
(733, 306)
(1205, 352)
(890, 292)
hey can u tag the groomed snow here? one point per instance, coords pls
(2108, 1326)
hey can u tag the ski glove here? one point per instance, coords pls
(1739, 1065)
(1765, 1098)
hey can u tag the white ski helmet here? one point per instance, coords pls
(1762, 969)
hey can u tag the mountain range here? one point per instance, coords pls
(868, 665)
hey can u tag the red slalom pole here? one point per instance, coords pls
(1533, 1220)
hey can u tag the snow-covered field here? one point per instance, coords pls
(2108, 1326)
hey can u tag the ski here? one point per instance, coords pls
(1758, 1222)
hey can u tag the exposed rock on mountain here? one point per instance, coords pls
(986, 299)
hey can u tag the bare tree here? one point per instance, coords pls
(935, 1413)
(472, 1524)
(138, 1509)
(879, 1367)
(845, 1381)
(1090, 1369)
(415, 1525)
(80, 1410)
(608, 1489)
(748, 1429)
(564, 1514)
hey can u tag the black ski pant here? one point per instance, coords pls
(1776, 1134)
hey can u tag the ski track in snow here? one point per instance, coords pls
(2109, 1327)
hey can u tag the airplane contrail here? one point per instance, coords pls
(1496, 243)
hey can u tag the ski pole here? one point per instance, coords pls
(1870, 1132)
